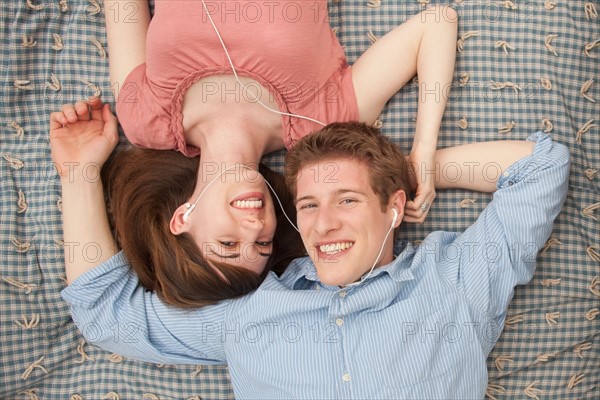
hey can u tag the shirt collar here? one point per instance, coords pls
(399, 270)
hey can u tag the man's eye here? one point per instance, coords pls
(227, 244)
(348, 201)
(307, 206)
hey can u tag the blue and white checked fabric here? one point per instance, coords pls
(419, 327)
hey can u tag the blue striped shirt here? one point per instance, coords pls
(419, 327)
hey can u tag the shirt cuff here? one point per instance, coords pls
(527, 166)
(85, 290)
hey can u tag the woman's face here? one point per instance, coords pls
(234, 221)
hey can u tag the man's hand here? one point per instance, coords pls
(82, 134)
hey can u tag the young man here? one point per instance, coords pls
(360, 318)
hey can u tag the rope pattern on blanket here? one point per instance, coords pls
(94, 8)
(101, 51)
(595, 285)
(35, 319)
(512, 322)
(546, 84)
(592, 251)
(374, 3)
(591, 173)
(461, 40)
(111, 396)
(20, 247)
(532, 392)
(551, 242)
(549, 4)
(507, 128)
(31, 6)
(590, 10)
(75, 396)
(547, 125)
(464, 79)
(32, 366)
(150, 396)
(81, 351)
(552, 317)
(30, 393)
(575, 380)
(590, 46)
(584, 129)
(28, 41)
(23, 84)
(15, 163)
(505, 45)
(58, 43)
(55, 85)
(500, 360)
(585, 87)
(502, 85)
(466, 203)
(62, 4)
(548, 44)
(551, 282)
(115, 358)
(509, 5)
(371, 36)
(545, 357)
(592, 314)
(20, 132)
(95, 88)
(581, 347)
(197, 370)
(27, 286)
(588, 211)
(463, 123)
(493, 389)
(59, 205)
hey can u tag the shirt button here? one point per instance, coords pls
(343, 294)
(339, 322)
(511, 182)
(346, 377)
(506, 174)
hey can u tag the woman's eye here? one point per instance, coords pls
(264, 244)
(227, 244)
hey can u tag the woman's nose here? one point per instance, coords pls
(252, 222)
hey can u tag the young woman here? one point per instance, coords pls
(235, 82)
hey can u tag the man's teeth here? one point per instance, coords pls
(248, 203)
(334, 247)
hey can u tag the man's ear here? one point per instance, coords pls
(398, 202)
(178, 225)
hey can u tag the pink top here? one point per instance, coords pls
(286, 46)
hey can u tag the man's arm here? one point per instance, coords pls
(478, 166)
(116, 314)
(499, 250)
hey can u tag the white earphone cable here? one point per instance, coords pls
(244, 86)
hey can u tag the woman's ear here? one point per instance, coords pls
(178, 223)
(398, 202)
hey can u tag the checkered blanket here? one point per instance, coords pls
(522, 66)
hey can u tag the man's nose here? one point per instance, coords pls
(326, 222)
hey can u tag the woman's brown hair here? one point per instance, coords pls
(144, 188)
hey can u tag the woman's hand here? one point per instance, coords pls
(423, 176)
(82, 135)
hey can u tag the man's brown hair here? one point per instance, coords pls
(144, 189)
(388, 170)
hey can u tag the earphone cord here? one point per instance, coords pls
(244, 86)
(376, 260)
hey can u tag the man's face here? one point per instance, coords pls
(340, 220)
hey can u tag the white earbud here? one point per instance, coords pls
(395, 218)
(186, 215)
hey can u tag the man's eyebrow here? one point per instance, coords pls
(336, 193)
